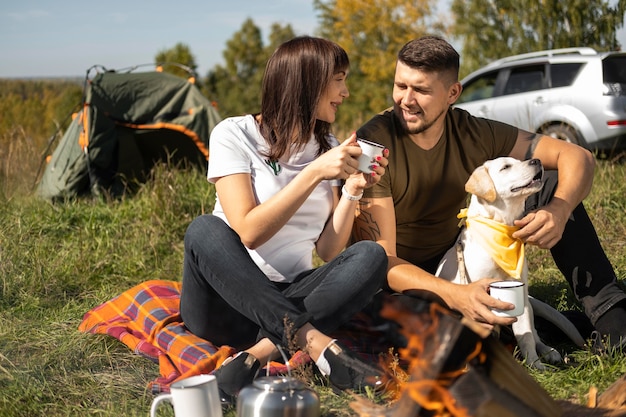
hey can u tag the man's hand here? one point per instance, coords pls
(543, 227)
(474, 302)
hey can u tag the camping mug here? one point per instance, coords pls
(370, 150)
(196, 396)
(511, 292)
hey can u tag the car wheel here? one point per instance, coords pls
(564, 132)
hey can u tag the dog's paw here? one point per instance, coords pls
(538, 365)
(530, 357)
(532, 360)
(542, 356)
(549, 354)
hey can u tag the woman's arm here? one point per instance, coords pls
(339, 226)
(257, 223)
(337, 230)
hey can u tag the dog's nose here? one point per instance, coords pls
(534, 161)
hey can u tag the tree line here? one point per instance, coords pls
(372, 32)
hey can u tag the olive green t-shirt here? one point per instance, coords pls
(428, 186)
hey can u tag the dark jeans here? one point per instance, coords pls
(228, 300)
(580, 257)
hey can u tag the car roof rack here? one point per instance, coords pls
(547, 53)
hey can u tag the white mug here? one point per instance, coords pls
(511, 292)
(370, 150)
(196, 396)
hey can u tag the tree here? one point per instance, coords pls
(179, 54)
(278, 35)
(492, 29)
(237, 85)
(372, 32)
(39, 107)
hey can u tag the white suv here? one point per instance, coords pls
(575, 94)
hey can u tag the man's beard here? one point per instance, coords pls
(427, 124)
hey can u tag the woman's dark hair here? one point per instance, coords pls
(295, 77)
(431, 54)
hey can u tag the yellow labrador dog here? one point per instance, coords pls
(485, 248)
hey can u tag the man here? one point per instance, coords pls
(433, 149)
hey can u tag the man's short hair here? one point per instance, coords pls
(430, 54)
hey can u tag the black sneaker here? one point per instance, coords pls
(348, 372)
(234, 374)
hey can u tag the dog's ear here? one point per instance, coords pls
(481, 185)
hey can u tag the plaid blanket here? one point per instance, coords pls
(146, 318)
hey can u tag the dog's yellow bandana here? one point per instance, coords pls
(495, 237)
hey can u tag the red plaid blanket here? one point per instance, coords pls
(146, 318)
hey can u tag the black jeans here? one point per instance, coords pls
(228, 300)
(580, 257)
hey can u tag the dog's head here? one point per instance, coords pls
(503, 181)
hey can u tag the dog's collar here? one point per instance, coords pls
(497, 239)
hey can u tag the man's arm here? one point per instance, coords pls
(376, 221)
(575, 166)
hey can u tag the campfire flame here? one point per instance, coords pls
(430, 372)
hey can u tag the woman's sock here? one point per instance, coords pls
(321, 362)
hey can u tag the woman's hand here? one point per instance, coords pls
(360, 180)
(339, 162)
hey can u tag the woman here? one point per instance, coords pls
(248, 278)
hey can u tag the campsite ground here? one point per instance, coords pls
(58, 261)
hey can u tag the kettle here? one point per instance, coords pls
(277, 397)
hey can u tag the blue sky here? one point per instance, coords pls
(65, 38)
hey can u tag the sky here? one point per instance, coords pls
(66, 37)
(43, 38)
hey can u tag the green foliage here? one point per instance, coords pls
(243, 51)
(372, 34)
(179, 54)
(39, 106)
(30, 113)
(237, 86)
(493, 29)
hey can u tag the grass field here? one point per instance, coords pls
(58, 261)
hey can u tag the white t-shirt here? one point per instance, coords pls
(236, 147)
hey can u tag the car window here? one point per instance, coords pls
(614, 69)
(479, 88)
(524, 79)
(563, 75)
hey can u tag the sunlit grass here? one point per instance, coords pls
(57, 261)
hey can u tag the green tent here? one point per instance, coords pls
(128, 122)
